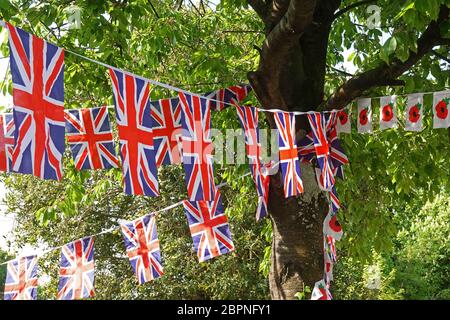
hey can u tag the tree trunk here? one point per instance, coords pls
(291, 77)
(297, 244)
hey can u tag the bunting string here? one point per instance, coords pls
(176, 89)
(155, 213)
(173, 88)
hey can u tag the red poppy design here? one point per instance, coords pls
(414, 114)
(334, 224)
(343, 117)
(363, 119)
(441, 110)
(387, 114)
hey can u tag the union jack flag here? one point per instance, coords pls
(307, 150)
(248, 117)
(76, 275)
(166, 126)
(330, 248)
(262, 208)
(222, 98)
(209, 227)
(289, 162)
(337, 156)
(37, 69)
(6, 141)
(131, 99)
(335, 204)
(322, 149)
(21, 279)
(197, 148)
(142, 245)
(90, 138)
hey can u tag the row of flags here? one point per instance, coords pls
(151, 133)
(388, 117)
(209, 230)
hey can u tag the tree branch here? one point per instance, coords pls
(385, 74)
(260, 8)
(193, 5)
(352, 6)
(275, 12)
(443, 42)
(440, 56)
(153, 8)
(341, 71)
(279, 41)
(287, 32)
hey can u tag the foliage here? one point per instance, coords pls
(423, 259)
(417, 268)
(301, 295)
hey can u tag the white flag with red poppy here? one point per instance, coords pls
(441, 103)
(332, 227)
(328, 268)
(364, 115)
(388, 117)
(414, 112)
(343, 122)
(321, 291)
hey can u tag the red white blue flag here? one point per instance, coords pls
(330, 248)
(248, 117)
(209, 227)
(6, 141)
(166, 126)
(222, 98)
(197, 147)
(132, 104)
(90, 138)
(262, 179)
(335, 204)
(21, 279)
(307, 151)
(37, 69)
(76, 275)
(289, 161)
(319, 134)
(142, 245)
